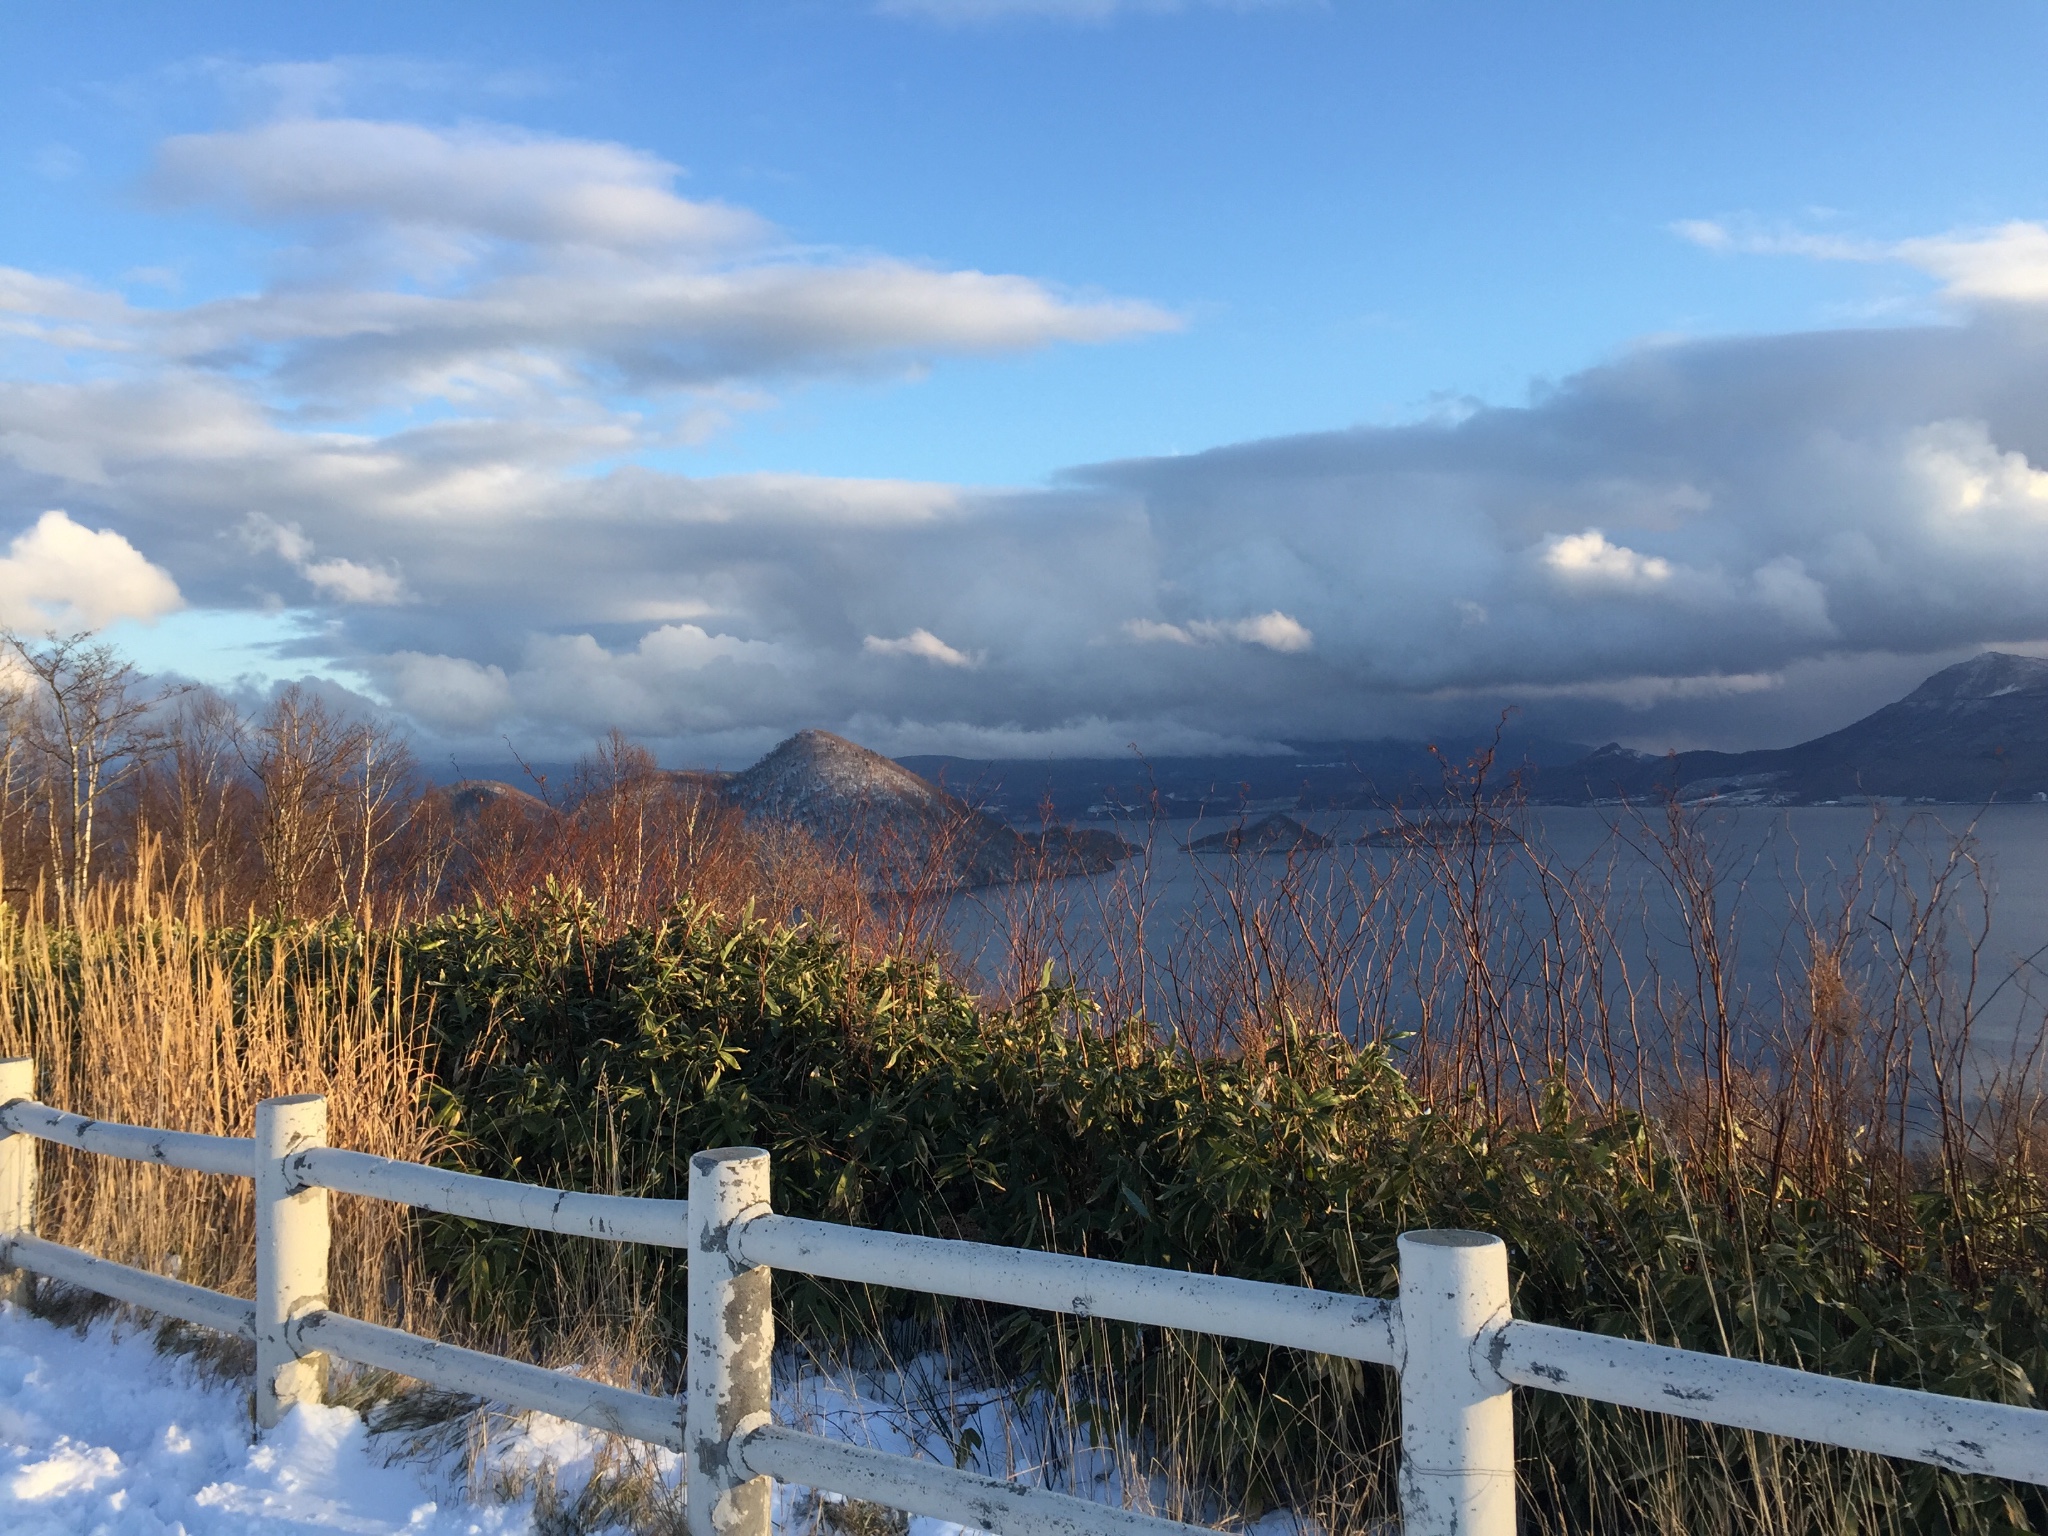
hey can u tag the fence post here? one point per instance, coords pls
(291, 1254)
(732, 1336)
(1457, 1414)
(17, 1172)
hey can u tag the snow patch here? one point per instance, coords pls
(101, 1433)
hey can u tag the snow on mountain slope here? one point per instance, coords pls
(1969, 733)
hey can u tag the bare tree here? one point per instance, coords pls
(425, 852)
(299, 753)
(615, 788)
(198, 799)
(376, 790)
(91, 725)
(14, 787)
(336, 796)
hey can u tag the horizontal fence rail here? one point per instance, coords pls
(612, 1218)
(1325, 1322)
(1960, 1433)
(232, 1156)
(137, 1287)
(612, 1409)
(1451, 1334)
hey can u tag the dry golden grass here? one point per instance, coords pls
(137, 1014)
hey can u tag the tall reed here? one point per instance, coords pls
(140, 1011)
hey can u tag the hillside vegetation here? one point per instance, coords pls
(890, 1099)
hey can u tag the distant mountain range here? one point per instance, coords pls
(1973, 732)
(1308, 775)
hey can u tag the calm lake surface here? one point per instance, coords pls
(1776, 873)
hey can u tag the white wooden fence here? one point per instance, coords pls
(1451, 1335)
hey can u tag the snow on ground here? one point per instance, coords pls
(99, 1433)
(102, 1435)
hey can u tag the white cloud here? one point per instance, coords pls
(1969, 479)
(491, 280)
(336, 578)
(921, 643)
(1715, 235)
(677, 677)
(469, 182)
(481, 264)
(1275, 631)
(266, 533)
(583, 325)
(57, 574)
(1152, 632)
(817, 500)
(1708, 233)
(2008, 264)
(569, 687)
(347, 582)
(61, 314)
(1590, 560)
(2005, 264)
(659, 610)
(1761, 505)
(448, 693)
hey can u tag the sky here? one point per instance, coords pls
(1030, 377)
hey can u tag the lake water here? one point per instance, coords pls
(1776, 873)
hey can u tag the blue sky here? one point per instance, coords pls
(1031, 239)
